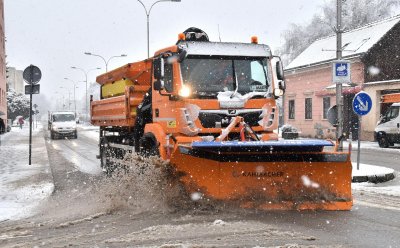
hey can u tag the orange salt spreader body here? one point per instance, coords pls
(210, 108)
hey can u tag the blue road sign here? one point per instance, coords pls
(341, 69)
(341, 72)
(362, 103)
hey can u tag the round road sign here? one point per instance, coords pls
(333, 115)
(32, 74)
(362, 103)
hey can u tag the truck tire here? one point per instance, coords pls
(148, 145)
(52, 135)
(383, 141)
(76, 135)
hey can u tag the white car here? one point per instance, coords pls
(387, 131)
(62, 124)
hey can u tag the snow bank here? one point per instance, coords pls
(370, 170)
(17, 203)
(391, 188)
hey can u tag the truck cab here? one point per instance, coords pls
(213, 83)
(188, 92)
(387, 131)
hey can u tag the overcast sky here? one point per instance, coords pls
(54, 34)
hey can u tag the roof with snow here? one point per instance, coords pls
(226, 49)
(354, 43)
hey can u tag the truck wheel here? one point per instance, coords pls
(383, 141)
(76, 135)
(51, 135)
(148, 145)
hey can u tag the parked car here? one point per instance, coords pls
(62, 124)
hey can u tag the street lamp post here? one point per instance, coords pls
(69, 97)
(86, 81)
(339, 100)
(74, 92)
(63, 100)
(148, 20)
(106, 61)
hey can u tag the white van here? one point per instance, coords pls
(62, 124)
(387, 131)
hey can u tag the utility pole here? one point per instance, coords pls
(339, 100)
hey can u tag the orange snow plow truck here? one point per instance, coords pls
(210, 109)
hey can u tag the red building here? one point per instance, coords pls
(3, 89)
(373, 51)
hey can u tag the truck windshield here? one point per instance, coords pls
(63, 117)
(208, 76)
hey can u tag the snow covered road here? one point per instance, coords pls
(81, 152)
(88, 209)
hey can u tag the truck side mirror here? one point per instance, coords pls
(182, 56)
(158, 68)
(279, 70)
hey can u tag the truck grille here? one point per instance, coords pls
(216, 119)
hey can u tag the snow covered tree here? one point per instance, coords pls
(17, 104)
(355, 13)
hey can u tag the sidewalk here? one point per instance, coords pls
(371, 173)
(371, 145)
(23, 186)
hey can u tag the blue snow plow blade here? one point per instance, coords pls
(263, 146)
(268, 151)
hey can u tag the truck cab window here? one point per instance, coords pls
(392, 113)
(168, 76)
(208, 76)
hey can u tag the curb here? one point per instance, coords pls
(41, 154)
(373, 178)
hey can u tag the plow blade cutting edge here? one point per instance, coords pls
(278, 175)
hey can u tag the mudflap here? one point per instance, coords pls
(271, 175)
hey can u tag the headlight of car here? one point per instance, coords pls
(54, 127)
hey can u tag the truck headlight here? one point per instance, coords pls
(185, 91)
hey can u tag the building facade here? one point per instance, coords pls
(3, 84)
(373, 52)
(15, 80)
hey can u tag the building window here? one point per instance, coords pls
(326, 106)
(291, 109)
(308, 108)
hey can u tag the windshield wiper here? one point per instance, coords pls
(205, 94)
(236, 81)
